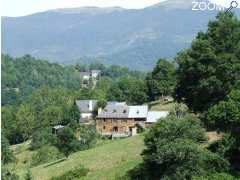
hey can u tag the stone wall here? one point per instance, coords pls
(109, 126)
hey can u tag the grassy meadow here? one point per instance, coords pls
(106, 161)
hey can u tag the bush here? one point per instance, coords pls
(6, 153)
(28, 175)
(217, 176)
(67, 141)
(73, 174)
(41, 138)
(174, 151)
(6, 174)
(46, 154)
(88, 136)
(225, 117)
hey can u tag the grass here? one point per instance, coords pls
(161, 106)
(23, 156)
(105, 162)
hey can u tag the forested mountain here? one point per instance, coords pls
(133, 38)
(22, 76)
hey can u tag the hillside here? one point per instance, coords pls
(107, 161)
(129, 37)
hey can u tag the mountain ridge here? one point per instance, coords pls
(130, 37)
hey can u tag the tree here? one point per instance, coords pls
(42, 137)
(6, 154)
(6, 174)
(115, 93)
(137, 92)
(46, 154)
(51, 115)
(129, 89)
(97, 65)
(225, 116)
(101, 104)
(67, 142)
(208, 71)
(22, 76)
(9, 125)
(173, 151)
(25, 121)
(216, 176)
(161, 81)
(28, 175)
(88, 136)
(179, 110)
(171, 128)
(74, 115)
(51, 106)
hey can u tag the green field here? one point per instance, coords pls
(106, 161)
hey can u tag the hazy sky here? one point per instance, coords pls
(24, 7)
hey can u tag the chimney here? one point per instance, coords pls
(99, 110)
(90, 105)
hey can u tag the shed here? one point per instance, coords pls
(56, 128)
(154, 116)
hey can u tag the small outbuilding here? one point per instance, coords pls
(55, 129)
(154, 116)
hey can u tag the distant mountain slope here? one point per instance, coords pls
(133, 38)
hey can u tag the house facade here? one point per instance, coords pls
(120, 120)
(87, 78)
(87, 108)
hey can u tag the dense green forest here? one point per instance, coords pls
(22, 76)
(205, 77)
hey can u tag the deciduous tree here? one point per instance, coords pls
(210, 68)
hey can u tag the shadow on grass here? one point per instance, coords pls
(55, 162)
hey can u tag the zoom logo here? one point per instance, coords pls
(206, 6)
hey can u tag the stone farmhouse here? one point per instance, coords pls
(123, 120)
(118, 119)
(88, 109)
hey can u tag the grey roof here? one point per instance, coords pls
(114, 111)
(86, 106)
(138, 111)
(116, 103)
(96, 71)
(123, 111)
(84, 73)
(154, 116)
(58, 127)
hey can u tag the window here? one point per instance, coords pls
(104, 120)
(104, 127)
(124, 111)
(137, 111)
(115, 129)
(114, 110)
